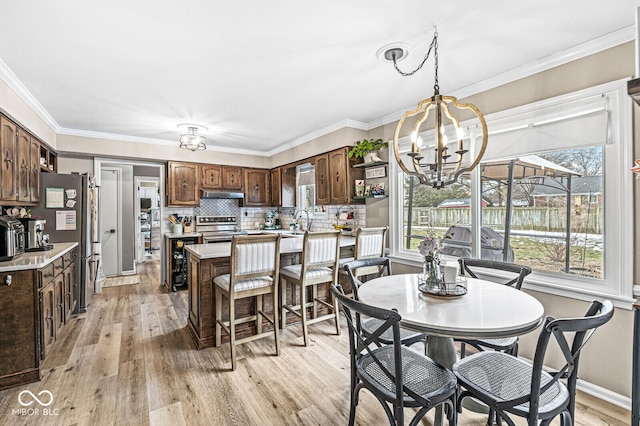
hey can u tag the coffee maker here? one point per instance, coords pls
(36, 239)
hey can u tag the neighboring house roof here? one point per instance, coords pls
(580, 185)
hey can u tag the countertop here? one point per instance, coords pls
(183, 235)
(287, 245)
(37, 259)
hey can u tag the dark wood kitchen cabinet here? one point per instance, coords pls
(19, 334)
(183, 184)
(47, 318)
(256, 189)
(323, 195)
(34, 170)
(8, 181)
(288, 186)
(335, 177)
(215, 176)
(276, 186)
(23, 166)
(232, 178)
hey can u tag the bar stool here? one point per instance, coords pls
(370, 244)
(320, 251)
(255, 263)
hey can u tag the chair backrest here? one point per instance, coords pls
(254, 256)
(370, 242)
(350, 268)
(361, 344)
(467, 266)
(320, 248)
(581, 328)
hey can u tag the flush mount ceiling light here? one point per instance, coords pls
(192, 140)
(437, 170)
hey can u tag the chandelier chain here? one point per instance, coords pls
(434, 44)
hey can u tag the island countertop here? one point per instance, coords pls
(287, 245)
(37, 259)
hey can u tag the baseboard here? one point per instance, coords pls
(605, 394)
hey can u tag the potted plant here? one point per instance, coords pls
(367, 149)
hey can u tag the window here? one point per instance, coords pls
(553, 192)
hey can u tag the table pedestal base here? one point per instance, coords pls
(443, 351)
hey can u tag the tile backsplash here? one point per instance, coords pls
(248, 217)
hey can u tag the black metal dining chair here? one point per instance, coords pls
(396, 375)
(517, 273)
(380, 266)
(512, 386)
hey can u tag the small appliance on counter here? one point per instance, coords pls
(269, 222)
(35, 238)
(12, 238)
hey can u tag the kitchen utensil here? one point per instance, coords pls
(173, 219)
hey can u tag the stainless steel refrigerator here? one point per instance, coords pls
(80, 195)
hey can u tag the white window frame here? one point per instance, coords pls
(617, 284)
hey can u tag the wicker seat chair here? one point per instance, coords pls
(512, 386)
(381, 266)
(517, 273)
(320, 251)
(255, 261)
(397, 376)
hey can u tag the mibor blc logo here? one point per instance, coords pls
(30, 404)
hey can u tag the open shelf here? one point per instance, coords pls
(372, 164)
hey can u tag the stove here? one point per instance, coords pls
(217, 229)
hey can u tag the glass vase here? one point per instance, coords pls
(431, 273)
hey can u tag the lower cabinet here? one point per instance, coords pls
(58, 298)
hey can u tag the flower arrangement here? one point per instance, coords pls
(430, 247)
(636, 169)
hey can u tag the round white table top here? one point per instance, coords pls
(487, 310)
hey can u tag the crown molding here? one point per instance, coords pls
(591, 47)
(320, 132)
(151, 141)
(16, 85)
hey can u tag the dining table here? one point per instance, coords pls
(485, 310)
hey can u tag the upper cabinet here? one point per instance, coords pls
(23, 166)
(8, 137)
(183, 184)
(256, 187)
(323, 194)
(276, 187)
(232, 178)
(287, 186)
(20, 165)
(213, 176)
(210, 176)
(335, 177)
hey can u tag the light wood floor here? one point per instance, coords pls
(130, 361)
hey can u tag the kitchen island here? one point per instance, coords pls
(38, 294)
(207, 261)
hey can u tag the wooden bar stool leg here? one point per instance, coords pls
(303, 313)
(259, 314)
(218, 296)
(314, 298)
(276, 334)
(232, 334)
(283, 303)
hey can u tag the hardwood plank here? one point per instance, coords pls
(132, 404)
(170, 415)
(108, 351)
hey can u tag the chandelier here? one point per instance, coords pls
(432, 164)
(192, 140)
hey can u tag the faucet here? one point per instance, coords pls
(297, 212)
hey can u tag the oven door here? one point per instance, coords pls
(215, 239)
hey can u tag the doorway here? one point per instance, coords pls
(147, 205)
(122, 260)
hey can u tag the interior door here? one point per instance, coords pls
(110, 220)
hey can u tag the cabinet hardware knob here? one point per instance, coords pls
(233, 178)
(8, 280)
(184, 183)
(337, 177)
(257, 188)
(212, 178)
(8, 160)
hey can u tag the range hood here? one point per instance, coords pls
(223, 195)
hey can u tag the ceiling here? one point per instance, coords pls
(263, 75)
